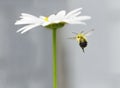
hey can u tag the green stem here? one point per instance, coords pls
(54, 58)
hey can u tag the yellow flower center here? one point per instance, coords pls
(46, 19)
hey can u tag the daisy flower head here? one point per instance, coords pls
(53, 21)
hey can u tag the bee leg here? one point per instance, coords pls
(83, 49)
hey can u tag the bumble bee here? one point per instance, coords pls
(81, 38)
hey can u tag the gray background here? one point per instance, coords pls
(25, 60)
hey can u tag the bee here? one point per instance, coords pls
(81, 38)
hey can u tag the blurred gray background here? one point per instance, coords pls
(25, 60)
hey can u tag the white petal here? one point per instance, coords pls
(61, 13)
(21, 29)
(77, 20)
(74, 12)
(60, 16)
(28, 19)
(72, 15)
(27, 28)
(52, 18)
(74, 22)
(25, 15)
(46, 23)
(42, 17)
(83, 18)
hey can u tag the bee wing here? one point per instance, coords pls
(74, 33)
(72, 38)
(89, 32)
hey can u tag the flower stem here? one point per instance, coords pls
(54, 63)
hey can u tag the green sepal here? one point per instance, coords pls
(55, 25)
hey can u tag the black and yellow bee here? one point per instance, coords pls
(81, 38)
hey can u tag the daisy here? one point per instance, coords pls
(53, 21)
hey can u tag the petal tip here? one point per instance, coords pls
(17, 31)
(15, 23)
(89, 17)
